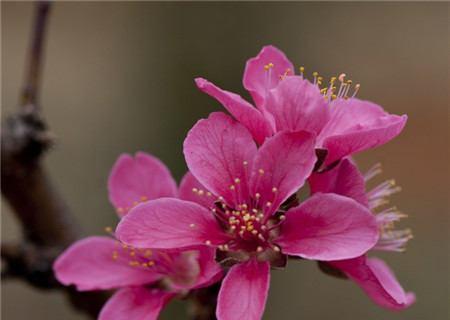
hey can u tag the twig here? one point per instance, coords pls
(47, 224)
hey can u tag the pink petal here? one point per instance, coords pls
(169, 223)
(241, 110)
(133, 180)
(210, 270)
(192, 190)
(281, 167)
(135, 303)
(257, 80)
(89, 265)
(218, 152)
(345, 179)
(244, 291)
(328, 227)
(377, 280)
(296, 104)
(358, 125)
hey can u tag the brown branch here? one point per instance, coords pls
(203, 303)
(47, 223)
(32, 75)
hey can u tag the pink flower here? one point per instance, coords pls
(343, 125)
(243, 211)
(146, 278)
(371, 274)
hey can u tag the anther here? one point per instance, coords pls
(192, 225)
(108, 229)
(237, 180)
(208, 243)
(274, 189)
(259, 249)
(261, 171)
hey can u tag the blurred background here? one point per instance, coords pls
(118, 77)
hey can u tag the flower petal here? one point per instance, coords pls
(192, 190)
(218, 151)
(281, 166)
(296, 104)
(244, 291)
(377, 280)
(133, 180)
(240, 109)
(358, 125)
(328, 227)
(257, 80)
(169, 223)
(210, 270)
(345, 179)
(89, 265)
(137, 303)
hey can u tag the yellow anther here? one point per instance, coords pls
(315, 74)
(132, 253)
(108, 229)
(115, 255)
(301, 69)
(246, 217)
(151, 263)
(133, 263)
(250, 228)
(148, 253)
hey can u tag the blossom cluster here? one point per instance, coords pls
(236, 213)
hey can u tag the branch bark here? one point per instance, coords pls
(47, 223)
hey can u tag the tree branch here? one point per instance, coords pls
(47, 223)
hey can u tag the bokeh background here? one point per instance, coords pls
(119, 77)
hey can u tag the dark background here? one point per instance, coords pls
(119, 78)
